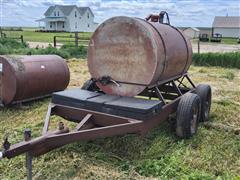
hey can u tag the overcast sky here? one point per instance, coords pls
(196, 13)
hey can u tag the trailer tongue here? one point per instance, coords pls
(101, 115)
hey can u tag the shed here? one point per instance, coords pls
(228, 26)
(191, 32)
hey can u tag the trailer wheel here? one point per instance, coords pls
(205, 93)
(90, 85)
(188, 113)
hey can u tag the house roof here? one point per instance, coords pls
(82, 10)
(67, 9)
(49, 11)
(193, 28)
(52, 19)
(227, 21)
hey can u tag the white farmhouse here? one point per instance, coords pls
(228, 26)
(69, 18)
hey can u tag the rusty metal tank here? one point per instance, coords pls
(137, 53)
(30, 77)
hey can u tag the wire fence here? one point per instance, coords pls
(18, 38)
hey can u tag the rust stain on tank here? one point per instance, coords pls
(27, 77)
(134, 50)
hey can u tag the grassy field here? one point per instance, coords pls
(211, 154)
(31, 35)
(229, 40)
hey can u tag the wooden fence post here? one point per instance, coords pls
(21, 37)
(198, 47)
(76, 39)
(54, 41)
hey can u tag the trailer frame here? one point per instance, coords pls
(92, 124)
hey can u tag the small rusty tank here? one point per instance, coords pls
(24, 78)
(135, 53)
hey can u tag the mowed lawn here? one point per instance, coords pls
(31, 35)
(210, 154)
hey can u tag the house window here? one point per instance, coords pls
(50, 24)
(88, 25)
(63, 25)
(76, 25)
(55, 14)
(58, 13)
(75, 13)
(88, 15)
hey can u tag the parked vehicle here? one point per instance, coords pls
(203, 37)
(216, 37)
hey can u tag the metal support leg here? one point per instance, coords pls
(190, 81)
(27, 137)
(179, 91)
(159, 94)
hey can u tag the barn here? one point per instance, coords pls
(228, 26)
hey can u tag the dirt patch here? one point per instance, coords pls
(41, 44)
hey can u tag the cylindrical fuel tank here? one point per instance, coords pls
(30, 77)
(137, 52)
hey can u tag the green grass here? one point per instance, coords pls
(31, 35)
(211, 154)
(231, 59)
(229, 41)
(10, 46)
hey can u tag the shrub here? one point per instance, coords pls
(3, 50)
(78, 52)
(12, 43)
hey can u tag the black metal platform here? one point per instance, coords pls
(130, 107)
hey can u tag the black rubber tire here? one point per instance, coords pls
(90, 85)
(205, 93)
(188, 113)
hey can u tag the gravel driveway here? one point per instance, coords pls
(211, 47)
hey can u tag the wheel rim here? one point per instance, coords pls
(207, 107)
(194, 120)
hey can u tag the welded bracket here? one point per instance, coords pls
(84, 120)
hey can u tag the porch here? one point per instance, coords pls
(52, 24)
